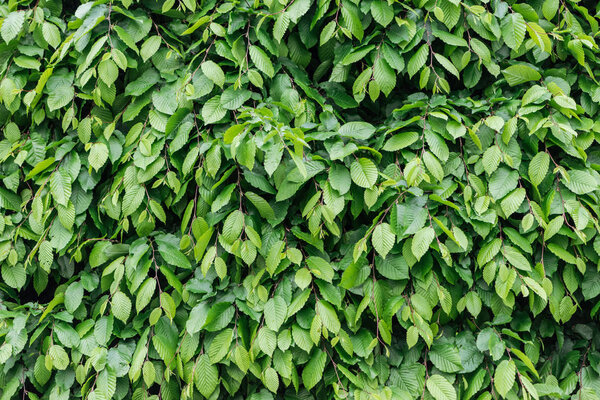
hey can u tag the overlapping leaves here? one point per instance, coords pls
(330, 199)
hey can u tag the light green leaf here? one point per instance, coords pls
(421, 241)
(149, 47)
(382, 12)
(357, 130)
(60, 186)
(281, 25)
(275, 312)
(144, 294)
(328, 316)
(121, 306)
(59, 357)
(73, 296)
(263, 207)
(581, 182)
(447, 64)
(206, 376)
(445, 357)
(98, 155)
(214, 72)
(312, 373)
(513, 30)
(504, 377)
(219, 347)
(418, 59)
(520, 73)
(491, 159)
(538, 167)
(12, 25)
(512, 201)
(213, 111)
(440, 388)
(363, 172)
(383, 239)
(261, 60)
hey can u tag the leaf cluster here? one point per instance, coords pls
(337, 199)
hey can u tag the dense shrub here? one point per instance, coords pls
(304, 199)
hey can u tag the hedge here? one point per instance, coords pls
(332, 199)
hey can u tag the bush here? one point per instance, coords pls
(304, 199)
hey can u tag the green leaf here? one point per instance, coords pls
(513, 30)
(281, 25)
(521, 73)
(150, 47)
(312, 373)
(328, 316)
(502, 182)
(12, 25)
(440, 388)
(59, 357)
(206, 376)
(491, 159)
(417, 61)
(363, 172)
(504, 377)
(447, 64)
(103, 330)
(549, 8)
(173, 256)
(401, 141)
(219, 346)
(384, 76)
(60, 186)
(562, 253)
(261, 60)
(512, 201)
(473, 303)
(125, 37)
(382, 12)
(40, 372)
(275, 312)
(232, 99)
(445, 357)
(121, 306)
(73, 296)
(14, 275)
(320, 268)
(213, 111)
(339, 178)
(433, 166)
(144, 294)
(357, 130)
(265, 210)
(421, 241)
(214, 72)
(538, 167)
(303, 278)
(232, 227)
(98, 155)
(383, 239)
(581, 182)
(539, 37)
(266, 340)
(358, 54)
(553, 227)
(108, 71)
(271, 379)
(516, 258)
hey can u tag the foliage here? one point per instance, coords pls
(306, 199)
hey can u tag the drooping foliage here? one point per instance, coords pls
(361, 199)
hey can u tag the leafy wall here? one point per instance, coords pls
(305, 199)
